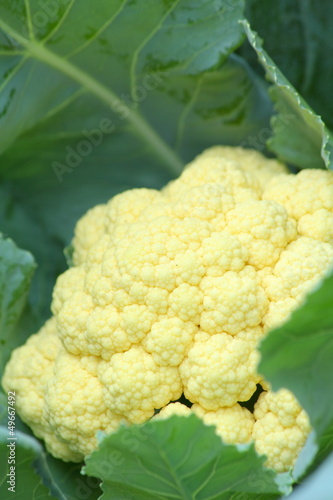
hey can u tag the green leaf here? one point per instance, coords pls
(180, 458)
(303, 347)
(80, 64)
(65, 480)
(298, 38)
(68, 252)
(38, 474)
(28, 231)
(300, 137)
(20, 453)
(16, 270)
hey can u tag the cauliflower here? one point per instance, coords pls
(280, 429)
(169, 295)
(233, 424)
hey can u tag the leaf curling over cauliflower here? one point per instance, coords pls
(169, 295)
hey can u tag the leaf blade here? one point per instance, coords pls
(148, 462)
(300, 137)
(16, 270)
(25, 481)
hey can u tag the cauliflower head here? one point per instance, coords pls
(169, 295)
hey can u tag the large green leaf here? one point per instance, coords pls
(298, 38)
(16, 270)
(298, 356)
(65, 480)
(83, 68)
(300, 137)
(29, 232)
(38, 475)
(180, 458)
(20, 453)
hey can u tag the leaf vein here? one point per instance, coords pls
(106, 25)
(185, 112)
(140, 489)
(144, 43)
(13, 73)
(183, 493)
(206, 481)
(185, 457)
(149, 472)
(59, 23)
(142, 127)
(29, 19)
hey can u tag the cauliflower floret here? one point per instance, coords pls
(223, 252)
(232, 302)
(74, 403)
(173, 409)
(170, 293)
(234, 424)
(169, 340)
(134, 384)
(137, 321)
(29, 370)
(264, 228)
(317, 225)
(304, 193)
(127, 207)
(219, 371)
(209, 202)
(251, 161)
(280, 429)
(72, 322)
(298, 270)
(237, 182)
(28, 373)
(68, 283)
(278, 313)
(88, 230)
(185, 302)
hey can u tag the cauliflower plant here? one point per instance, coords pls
(169, 295)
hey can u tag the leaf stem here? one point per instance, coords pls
(105, 94)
